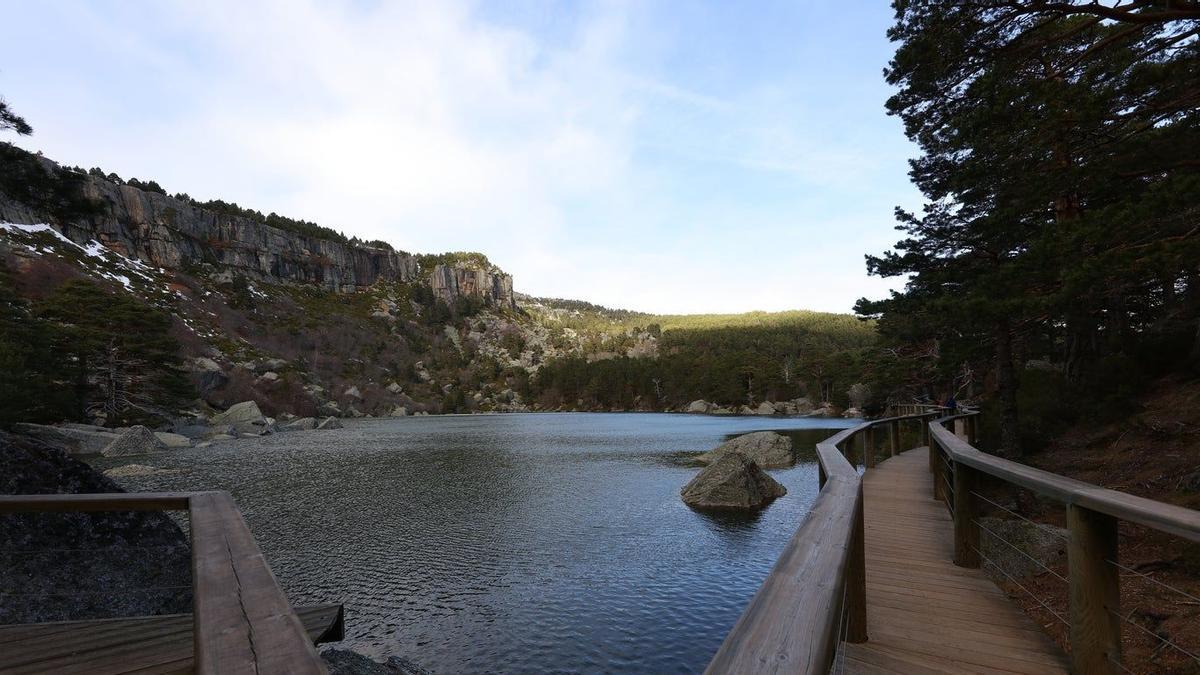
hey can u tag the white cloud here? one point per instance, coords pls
(423, 124)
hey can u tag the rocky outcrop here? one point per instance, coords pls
(166, 232)
(137, 440)
(83, 565)
(698, 406)
(767, 449)
(74, 440)
(493, 287)
(732, 482)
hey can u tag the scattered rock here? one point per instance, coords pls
(765, 408)
(137, 441)
(767, 449)
(329, 409)
(269, 376)
(173, 440)
(395, 388)
(204, 364)
(353, 392)
(732, 482)
(1043, 542)
(699, 406)
(399, 411)
(330, 423)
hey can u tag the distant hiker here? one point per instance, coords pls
(951, 404)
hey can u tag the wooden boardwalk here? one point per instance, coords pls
(924, 614)
(148, 644)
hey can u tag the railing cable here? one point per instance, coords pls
(1039, 526)
(1016, 548)
(1152, 634)
(1147, 577)
(1046, 606)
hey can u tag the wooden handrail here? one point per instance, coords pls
(1092, 516)
(794, 622)
(242, 619)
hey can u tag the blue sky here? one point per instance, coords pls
(678, 156)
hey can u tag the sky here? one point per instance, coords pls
(671, 157)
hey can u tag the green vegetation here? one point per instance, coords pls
(84, 352)
(27, 180)
(1059, 168)
(427, 261)
(732, 359)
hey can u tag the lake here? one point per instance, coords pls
(509, 543)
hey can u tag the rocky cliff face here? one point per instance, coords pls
(166, 232)
(492, 286)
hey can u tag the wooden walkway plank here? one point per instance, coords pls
(156, 644)
(924, 614)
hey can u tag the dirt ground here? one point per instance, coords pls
(1153, 453)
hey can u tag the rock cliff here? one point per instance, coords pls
(175, 233)
(491, 285)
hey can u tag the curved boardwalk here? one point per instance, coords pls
(924, 614)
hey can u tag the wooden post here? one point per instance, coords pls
(936, 461)
(894, 441)
(856, 579)
(966, 513)
(1095, 591)
(870, 442)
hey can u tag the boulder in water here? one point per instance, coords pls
(767, 449)
(732, 482)
(138, 440)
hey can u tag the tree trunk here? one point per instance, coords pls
(1006, 385)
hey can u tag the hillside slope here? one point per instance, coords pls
(303, 320)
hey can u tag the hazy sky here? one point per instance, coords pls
(678, 156)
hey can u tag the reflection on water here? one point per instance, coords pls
(511, 543)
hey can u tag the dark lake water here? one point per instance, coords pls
(509, 543)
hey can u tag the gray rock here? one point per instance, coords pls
(302, 424)
(204, 364)
(399, 411)
(395, 388)
(329, 409)
(269, 376)
(699, 406)
(194, 431)
(767, 449)
(330, 423)
(732, 482)
(72, 441)
(137, 441)
(352, 392)
(346, 662)
(173, 440)
(765, 408)
(244, 417)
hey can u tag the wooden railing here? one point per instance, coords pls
(815, 596)
(242, 619)
(1092, 516)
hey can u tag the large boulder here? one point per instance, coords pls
(71, 440)
(244, 417)
(138, 440)
(765, 408)
(732, 482)
(80, 553)
(698, 406)
(767, 449)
